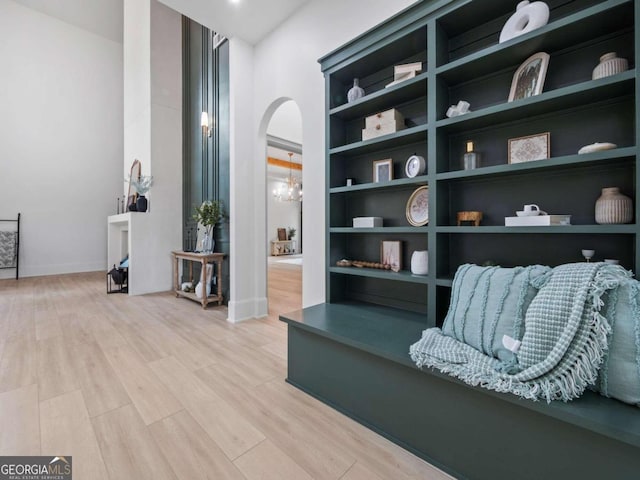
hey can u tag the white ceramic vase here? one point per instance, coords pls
(355, 92)
(528, 17)
(613, 207)
(610, 64)
(420, 262)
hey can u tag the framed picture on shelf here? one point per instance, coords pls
(529, 78)
(282, 234)
(383, 170)
(391, 254)
(530, 148)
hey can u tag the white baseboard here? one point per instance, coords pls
(61, 269)
(240, 311)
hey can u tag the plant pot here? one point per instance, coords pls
(141, 204)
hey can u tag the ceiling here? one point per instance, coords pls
(102, 17)
(251, 20)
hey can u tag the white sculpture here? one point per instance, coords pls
(528, 17)
(460, 109)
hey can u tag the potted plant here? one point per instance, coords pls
(208, 215)
(291, 233)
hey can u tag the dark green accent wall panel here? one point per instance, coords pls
(206, 159)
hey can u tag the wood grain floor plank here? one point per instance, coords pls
(149, 395)
(191, 452)
(268, 462)
(201, 415)
(101, 387)
(20, 422)
(67, 430)
(18, 367)
(222, 422)
(56, 368)
(127, 447)
(358, 472)
(321, 457)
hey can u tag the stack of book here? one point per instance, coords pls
(537, 221)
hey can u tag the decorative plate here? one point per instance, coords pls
(418, 207)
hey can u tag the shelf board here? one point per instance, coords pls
(383, 99)
(402, 276)
(403, 137)
(444, 282)
(553, 229)
(568, 31)
(399, 183)
(384, 230)
(562, 98)
(548, 164)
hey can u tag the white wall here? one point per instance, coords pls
(153, 135)
(61, 140)
(286, 123)
(285, 66)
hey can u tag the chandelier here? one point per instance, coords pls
(291, 189)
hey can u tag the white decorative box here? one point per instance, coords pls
(367, 222)
(537, 221)
(383, 123)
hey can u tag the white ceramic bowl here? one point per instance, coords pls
(531, 213)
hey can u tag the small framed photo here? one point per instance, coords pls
(282, 234)
(529, 78)
(530, 148)
(391, 254)
(383, 170)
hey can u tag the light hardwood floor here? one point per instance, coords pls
(154, 387)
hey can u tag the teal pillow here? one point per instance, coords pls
(488, 303)
(620, 371)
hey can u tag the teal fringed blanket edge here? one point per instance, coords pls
(564, 343)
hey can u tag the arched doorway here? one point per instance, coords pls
(284, 242)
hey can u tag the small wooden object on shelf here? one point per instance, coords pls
(474, 217)
(203, 258)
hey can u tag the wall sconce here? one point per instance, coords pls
(204, 122)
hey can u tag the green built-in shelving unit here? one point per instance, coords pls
(352, 351)
(457, 43)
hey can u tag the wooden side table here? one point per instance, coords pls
(203, 258)
(283, 247)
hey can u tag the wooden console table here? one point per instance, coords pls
(283, 247)
(204, 259)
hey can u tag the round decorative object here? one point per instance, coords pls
(355, 92)
(609, 65)
(420, 262)
(597, 147)
(613, 207)
(416, 165)
(528, 17)
(418, 207)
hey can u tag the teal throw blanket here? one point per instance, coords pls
(564, 342)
